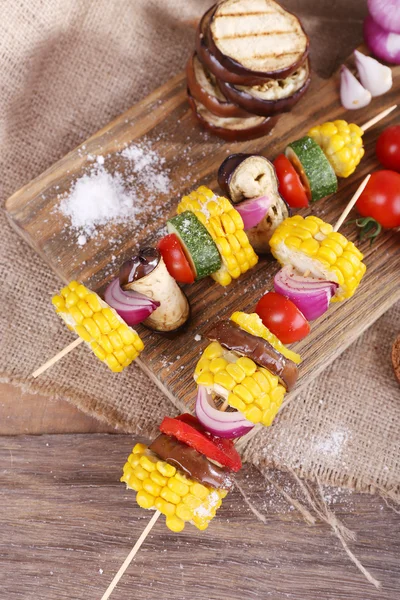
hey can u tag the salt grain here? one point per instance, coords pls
(99, 198)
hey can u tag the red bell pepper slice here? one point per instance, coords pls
(188, 429)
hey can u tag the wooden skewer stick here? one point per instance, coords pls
(352, 202)
(131, 555)
(381, 115)
(57, 357)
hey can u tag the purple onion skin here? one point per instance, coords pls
(311, 312)
(251, 221)
(229, 435)
(312, 305)
(235, 431)
(386, 13)
(131, 316)
(376, 39)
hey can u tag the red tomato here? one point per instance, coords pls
(175, 259)
(388, 148)
(188, 430)
(290, 185)
(282, 317)
(381, 199)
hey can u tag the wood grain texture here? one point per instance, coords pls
(22, 413)
(192, 157)
(68, 524)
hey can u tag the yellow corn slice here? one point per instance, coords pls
(160, 486)
(108, 336)
(341, 143)
(253, 324)
(251, 389)
(310, 244)
(225, 225)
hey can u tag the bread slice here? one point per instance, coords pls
(258, 36)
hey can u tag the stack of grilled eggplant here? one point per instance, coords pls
(250, 65)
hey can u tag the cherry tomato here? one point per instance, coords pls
(282, 317)
(175, 259)
(388, 148)
(290, 185)
(381, 199)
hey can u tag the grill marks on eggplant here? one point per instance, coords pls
(262, 33)
(251, 62)
(258, 40)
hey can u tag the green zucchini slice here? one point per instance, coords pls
(313, 167)
(197, 244)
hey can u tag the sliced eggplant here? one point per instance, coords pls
(147, 274)
(232, 129)
(193, 464)
(245, 176)
(203, 87)
(257, 37)
(241, 342)
(271, 97)
(212, 63)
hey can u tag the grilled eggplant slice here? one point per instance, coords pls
(271, 97)
(257, 37)
(245, 176)
(203, 87)
(232, 129)
(210, 61)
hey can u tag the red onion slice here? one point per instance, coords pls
(224, 424)
(310, 295)
(131, 306)
(253, 211)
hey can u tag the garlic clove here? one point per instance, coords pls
(352, 94)
(374, 76)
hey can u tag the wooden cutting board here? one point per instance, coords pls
(192, 157)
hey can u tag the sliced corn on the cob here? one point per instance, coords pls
(249, 388)
(225, 225)
(341, 143)
(310, 244)
(160, 486)
(108, 336)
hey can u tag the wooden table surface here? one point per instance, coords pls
(68, 524)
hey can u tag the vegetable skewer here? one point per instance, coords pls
(78, 341)
(157, 513)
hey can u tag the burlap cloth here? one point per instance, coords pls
(67, 67)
